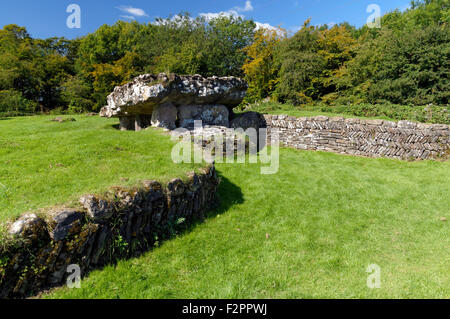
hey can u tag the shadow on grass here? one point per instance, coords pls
(228, 195)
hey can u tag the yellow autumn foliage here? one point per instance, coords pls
(260, 67)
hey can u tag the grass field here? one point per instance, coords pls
(291, 110)
(308, 232)
(364, 111)
(44, 163)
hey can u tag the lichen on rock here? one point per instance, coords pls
(167, 99)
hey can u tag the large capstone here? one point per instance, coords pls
(152, 100)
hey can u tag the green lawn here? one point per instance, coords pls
(364, 111)
(275, 108)
(44, 163)
(308, 232)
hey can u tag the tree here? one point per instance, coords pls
(12, 103)
(226, 39)
(261, 67)
(76, 95)
(300, 64)
(409, 66)
(337, 47)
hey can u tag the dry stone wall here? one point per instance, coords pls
(123, 223)
(372, 138)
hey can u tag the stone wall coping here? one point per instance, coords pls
(387, 123)
(405, 140)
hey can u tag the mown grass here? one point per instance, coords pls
(309, 231)
(275, 108)
(429, 114)
(44, 163)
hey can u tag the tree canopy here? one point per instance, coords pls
(406, 61)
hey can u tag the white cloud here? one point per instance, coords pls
(214, 15)
(267, 26)
(235, 12)
(135, 12)
(293, 30)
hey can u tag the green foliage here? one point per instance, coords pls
(12, 103)
(261, 67)
(187, 60)
(76, 93)
(34, 68)
(227, 37)
(300, 65)
(44, 163)
(108, 57)
(403, 67)
(425, 114)
(176, 44)
(78, 75)
(404, 62)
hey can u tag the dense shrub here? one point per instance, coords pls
(12, 103)
(425, 114)
(403, 67)
(79, 74)
(405, 62)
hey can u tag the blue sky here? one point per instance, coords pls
(47, 18)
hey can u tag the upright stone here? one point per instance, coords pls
(126, 123)
(217, 115)
(165, 115)
(142, 121)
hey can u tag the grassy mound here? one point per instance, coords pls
(309, 231)
(45, 163)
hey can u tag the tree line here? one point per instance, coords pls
(406, 61)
